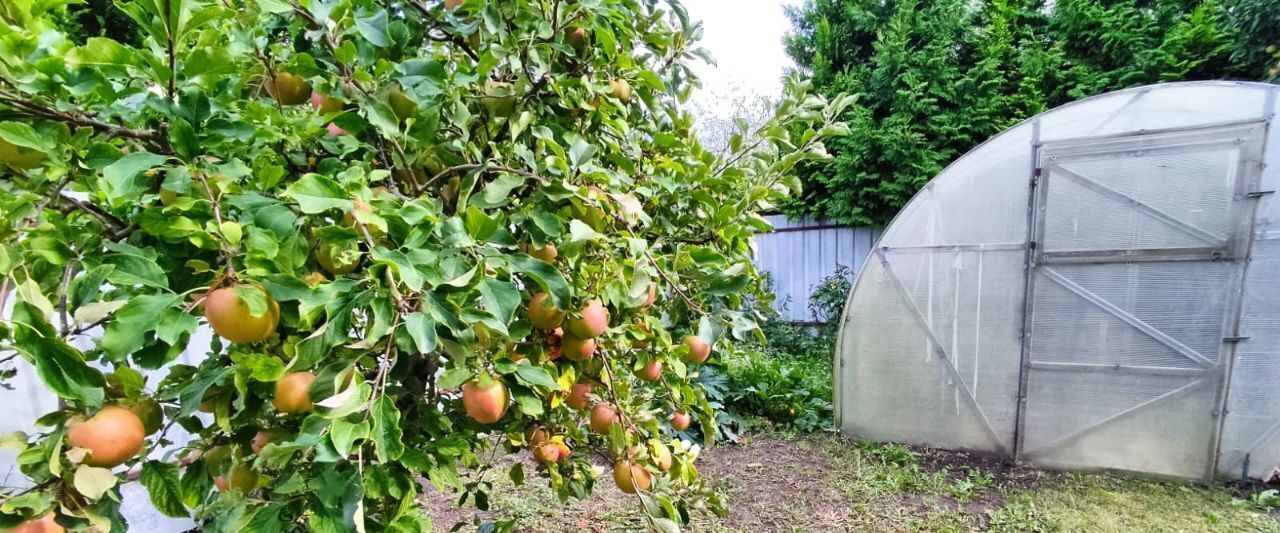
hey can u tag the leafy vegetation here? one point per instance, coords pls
(1264, 500)
(937, 77)
(786, 382)
(426, 234)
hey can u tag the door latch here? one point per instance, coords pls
(1236, 339)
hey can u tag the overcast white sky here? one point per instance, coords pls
(745, 36)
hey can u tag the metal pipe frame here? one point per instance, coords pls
(933, 248)
(1034, 191)
(1102, 368)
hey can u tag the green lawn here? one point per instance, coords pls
(825, 483)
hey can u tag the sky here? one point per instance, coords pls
(745, 36)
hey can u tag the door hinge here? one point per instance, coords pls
(1258, 194)
(1236, 339)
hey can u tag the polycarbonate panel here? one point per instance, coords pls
(1183, 300)
(1120, 420)
(931, 346)
(895, 382)
(983, 199)
(1160, 107)
(1251, 430)
(1162, 191)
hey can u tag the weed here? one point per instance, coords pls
(1263, 501)
(1019, 515)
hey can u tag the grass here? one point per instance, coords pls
(825, 483)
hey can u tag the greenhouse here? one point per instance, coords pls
(1097, 287)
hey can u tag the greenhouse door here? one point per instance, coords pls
(1137, 254)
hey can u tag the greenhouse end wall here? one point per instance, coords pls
(1096, 287)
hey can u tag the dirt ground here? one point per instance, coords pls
(826, 483)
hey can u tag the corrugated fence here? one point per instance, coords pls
(799, 253)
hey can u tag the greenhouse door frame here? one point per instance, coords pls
(1235, 249)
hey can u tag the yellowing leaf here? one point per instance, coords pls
(93, 482)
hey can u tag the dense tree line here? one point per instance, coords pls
(937, 77)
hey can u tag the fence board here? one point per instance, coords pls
(799, 253)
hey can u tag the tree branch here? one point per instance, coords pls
(110, 221)
(27, 107)
(67, 272)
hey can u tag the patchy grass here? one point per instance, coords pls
(826, 483)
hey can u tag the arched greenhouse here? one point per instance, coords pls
(1097, 287)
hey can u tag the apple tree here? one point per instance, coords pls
(424, 235)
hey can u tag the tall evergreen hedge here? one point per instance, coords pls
(937, 77)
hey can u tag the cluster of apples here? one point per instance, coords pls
(576, 338)
(498, 97)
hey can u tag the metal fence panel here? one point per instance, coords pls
(799, 253)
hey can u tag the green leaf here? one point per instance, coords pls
(24, 135)
(527, 403)
(579, 232)
(61, 367)
(404, 267)
(387, 436)
(374, 28)
(194, 485)
(423, 331)
(546, 276)
(120, 180)
(183, 138)
(500, 298)
(231, 231)
(190, 396)
(95, 311)
(131, 269)
(535, 376)
(454, 377)
(259, 366)
(127, 331)
(86, 286)
(516, 473)
(316, 194)
(344, 434)
(92, 482)
(580, 152)
(498, 192)
(161, 481)
(106, 54)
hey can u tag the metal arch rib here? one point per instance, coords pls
(1142, 207)
(1058, 442)
(942, 353)
(1137, 323)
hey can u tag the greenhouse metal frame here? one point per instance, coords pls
(1097, 287)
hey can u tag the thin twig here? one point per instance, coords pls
(109, 220)
(472, 166)
(227, 249)
(62, 296)
(692, 305)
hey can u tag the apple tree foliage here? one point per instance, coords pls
(395, 224)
